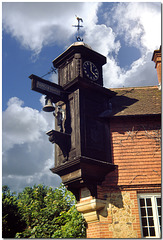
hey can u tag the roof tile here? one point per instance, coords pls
(136, 101)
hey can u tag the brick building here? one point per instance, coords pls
(107, 145)
(128, 202)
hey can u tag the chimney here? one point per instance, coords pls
(157, 59)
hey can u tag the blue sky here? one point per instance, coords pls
(33, 35)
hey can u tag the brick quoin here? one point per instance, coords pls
(98, 230)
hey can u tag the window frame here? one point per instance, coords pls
(153, 197)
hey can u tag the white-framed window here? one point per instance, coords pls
(150, 215)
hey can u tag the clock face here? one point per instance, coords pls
(91, 70)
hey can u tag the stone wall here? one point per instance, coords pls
(119, 218)
(123, 209)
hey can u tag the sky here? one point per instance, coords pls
(33, 35)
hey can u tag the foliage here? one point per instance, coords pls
(12, 221)
(49, 213)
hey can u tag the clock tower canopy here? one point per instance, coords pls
(79, 60)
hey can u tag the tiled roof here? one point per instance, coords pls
(136, 101)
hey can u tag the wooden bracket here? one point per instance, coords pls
(63, 140)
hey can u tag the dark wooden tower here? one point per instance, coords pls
(82, 149)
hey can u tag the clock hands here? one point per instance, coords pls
(91, 67)
(91, 70)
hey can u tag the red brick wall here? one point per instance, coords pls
(158, 68)
(99, 230)
(157, 59)
(136, 150)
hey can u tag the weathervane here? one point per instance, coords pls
(79, 39)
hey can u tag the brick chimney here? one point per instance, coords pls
(157, 59)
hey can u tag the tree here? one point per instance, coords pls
(12, 221)
(50, 213)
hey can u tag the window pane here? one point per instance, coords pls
(152, 231)
(158, 201)
(145, 232)
(142, 202)
(160, 220)
(151, 222)
(143, 212)
(149, 210)
(148, 202)
(144, 221)
(159, 210)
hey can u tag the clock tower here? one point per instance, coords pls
(79, 60)
(82, 143)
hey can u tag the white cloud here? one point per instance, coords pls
(21, 124)
(112, 74)
(18, 183)
(35, 25)
(27, 153)
(141, 73)
(139, 24)
(102, 39)
(54, 78)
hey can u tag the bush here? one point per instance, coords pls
(47, 213)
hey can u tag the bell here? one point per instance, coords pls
(48, 106)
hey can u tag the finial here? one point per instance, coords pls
(78, 38)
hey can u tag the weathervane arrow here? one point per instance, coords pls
(79, 39)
